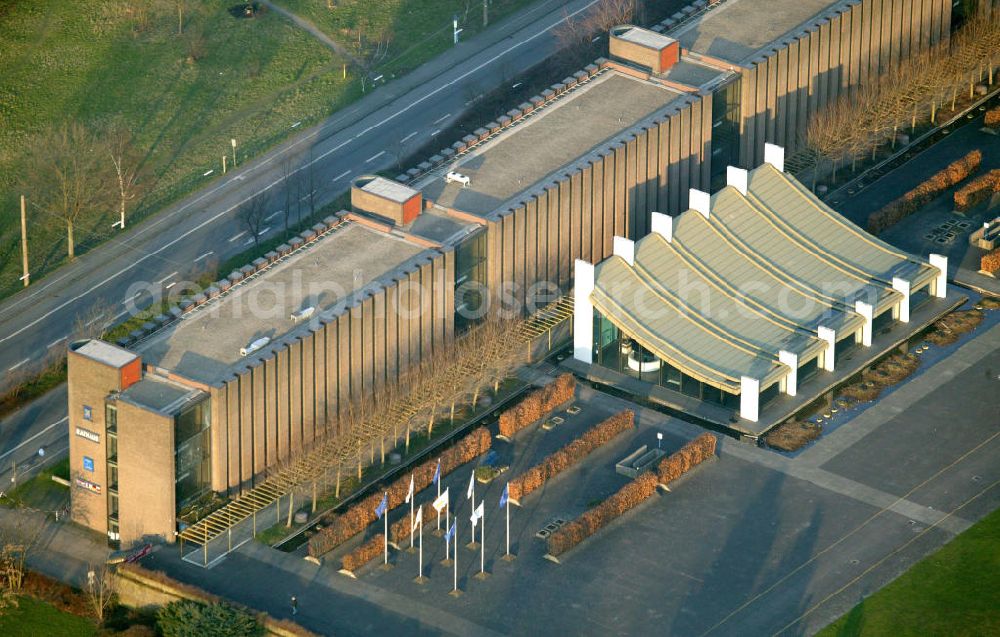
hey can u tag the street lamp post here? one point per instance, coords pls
(233, 142)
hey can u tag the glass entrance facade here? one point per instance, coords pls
(625, 355)
(192, 459)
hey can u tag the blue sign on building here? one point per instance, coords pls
(88, 463)
(88, 413)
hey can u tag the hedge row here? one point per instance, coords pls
(978, 190)
(355, 519)
(687, 457)
(572, 453)
(400, 529)
(990, 262)
(925, 192)
(992, 118)
(628, 497)
(632, 494)
(365, 553)
(537, 404)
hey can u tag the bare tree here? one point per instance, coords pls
(127, 163)
(65, 179)
(252, 215)
(101, 590)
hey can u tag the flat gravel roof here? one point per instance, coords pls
(205, 345)
(559, 134)
(738, 29)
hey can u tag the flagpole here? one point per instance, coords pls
(482, 547)
(454, 591)
(420, 577)
(508, 526)
(385, 537)
(439, 495)
(412, 498)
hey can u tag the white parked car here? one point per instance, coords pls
(458, 177)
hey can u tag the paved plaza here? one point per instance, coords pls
(753, 542)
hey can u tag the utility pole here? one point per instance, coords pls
(454, 27)
(24, 246)
(486, 14)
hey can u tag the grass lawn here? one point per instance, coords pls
(41, 492)
(32, 618)
(184, 95)
(416, 30)
(954, 592)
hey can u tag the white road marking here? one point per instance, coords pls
(43, 431)
(207, 254)
(264, 231)
(263, 162)
(93, 320)
(408, 137)
(16, 365)
(441, 119)
(170, 285)
(273, 215)
(164, 279)
(249, 242)
(55, 342)
(374, 157)
(435, 132)
(237, 236)
(341, 175)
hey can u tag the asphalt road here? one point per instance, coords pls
(153, 258)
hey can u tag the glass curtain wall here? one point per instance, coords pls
(192, 459)
(725, 131)
(470, 281)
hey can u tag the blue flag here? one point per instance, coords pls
(382, 506)
(451, 532)
(504, 496)
(437, 473)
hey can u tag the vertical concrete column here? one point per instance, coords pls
(792, 378)
(939, 286)
(583, 311)
(662, 225)
(749, 398)
(700, 201)
(624, 248)
(903, 308)
(830, 336)
(775, 155)
(868, 312)
(738, 179)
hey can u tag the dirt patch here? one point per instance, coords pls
(888, 372)
(952, 326)
(792, 435)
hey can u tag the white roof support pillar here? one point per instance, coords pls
(868, 312)
(903, 307)
(829, 335)
(939, 286)
(624, 248)
(791, 382)
(701, 201)
(662, 225)
(749, 398)
(583, 312)
(738, 179)
(775, 155)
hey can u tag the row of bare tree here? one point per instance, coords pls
(579, 31)
(912, 93)
(73, 175)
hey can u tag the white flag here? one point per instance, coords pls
(417, 520)
(472, 485)
(409, 494)
(441, 501)
(477, 514)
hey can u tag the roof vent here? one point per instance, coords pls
(302, 314)
(256, 345)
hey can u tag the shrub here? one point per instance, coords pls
(978, 190)
(399, 531)
(990, 262)
(364, 553)
(356, 518)
(687, 457)
(572, 453)
(188, 618)
(628, 497)
(992, 119)
(925, 192)
(537, 404)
